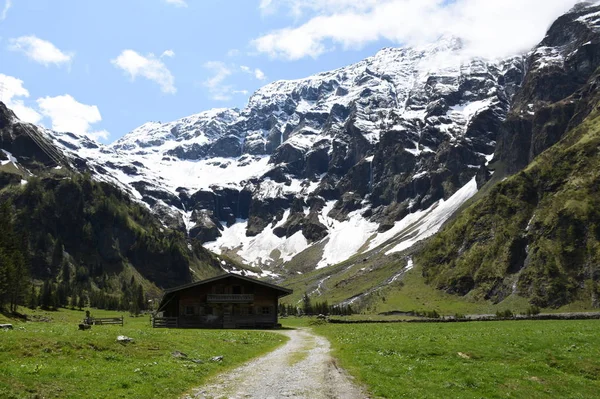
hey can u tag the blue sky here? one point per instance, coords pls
(106, 67)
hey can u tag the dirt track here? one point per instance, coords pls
(302, 368)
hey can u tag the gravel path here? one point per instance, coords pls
(302, 368)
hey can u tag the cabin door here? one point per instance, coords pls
(227, 317)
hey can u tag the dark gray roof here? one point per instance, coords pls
(285, 291)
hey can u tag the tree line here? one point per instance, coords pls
(14, 262)
(309, 308)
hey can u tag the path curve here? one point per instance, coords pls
(302, 368)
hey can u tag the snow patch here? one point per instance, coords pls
(423, 224)
(10, 158)
(262, 249)
(345, 238)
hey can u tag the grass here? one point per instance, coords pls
(55, 360)
(511, 359)
(414, 294)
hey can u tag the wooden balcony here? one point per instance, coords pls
(230, 298)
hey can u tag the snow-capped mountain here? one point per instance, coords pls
(378, 153)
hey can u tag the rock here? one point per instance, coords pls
(193, 152)
(206, 228)
(216, 359)
(152, 193)
(226, 147)
(124, 339)
(6, 326)
(178, 355)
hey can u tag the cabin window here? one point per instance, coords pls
(266, 310)
(219, 289)
(237, 289)
(246, 310)
(189, 311)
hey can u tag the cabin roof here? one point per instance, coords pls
(284, 291)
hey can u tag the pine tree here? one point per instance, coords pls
(47, 297)
(66, 277)
(141, 298)
(57, 255)
(81, 302)
(33, 298)
(306, 305)
(73, 301)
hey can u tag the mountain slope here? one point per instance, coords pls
(536, 234)
(92, 228)
(315, 168)
(529, 238)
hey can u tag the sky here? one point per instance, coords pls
(105, 67)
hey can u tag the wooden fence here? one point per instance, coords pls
(165, 322)
(107, 320)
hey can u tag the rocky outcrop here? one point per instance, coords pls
(559, 66)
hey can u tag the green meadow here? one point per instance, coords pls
(500, 359)
(51, 358)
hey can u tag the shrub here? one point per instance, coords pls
(505, 314)
(532, 310)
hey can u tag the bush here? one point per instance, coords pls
(432, 314)
(532, 310)
(505, 314)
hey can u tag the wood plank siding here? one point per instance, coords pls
(228, 301)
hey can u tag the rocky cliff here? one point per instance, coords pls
(320, 166)
(536, 234)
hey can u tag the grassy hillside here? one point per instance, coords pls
(536, 234)
(88, 236)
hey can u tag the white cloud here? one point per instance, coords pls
(66, 113)
(233, 52)
(11, 89)
(41, 51)
(149, 67)
(177, 3)
(257, 73)
(168, 54)
(297, 8)
(4, 13)
(489, 28)
(69, 115)
(215, 84)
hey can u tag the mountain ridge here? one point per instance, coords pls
(301, 144)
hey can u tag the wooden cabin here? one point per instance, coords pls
(226, 301)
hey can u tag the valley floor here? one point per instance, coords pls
(503, 359)
(49, 357)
